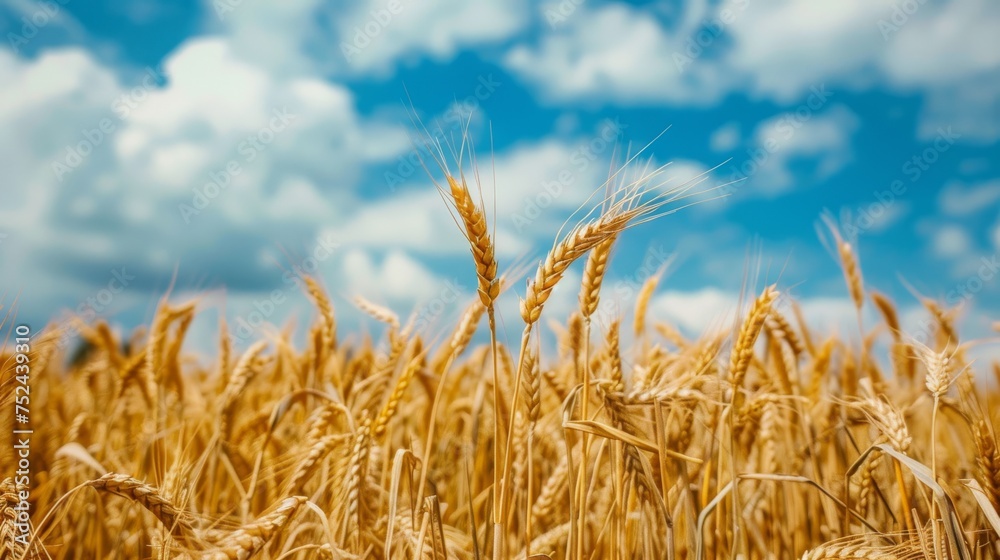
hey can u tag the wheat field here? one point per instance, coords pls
(762, 439)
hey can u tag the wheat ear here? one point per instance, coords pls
(593, 276)
(747, 338)
(483, 251)
(248, 540)
(148, 497)
(988, 461)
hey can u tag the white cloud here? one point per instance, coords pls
(415, 220)
(967, 108)
(950, 50)
(695, 312)
(890, 215)
(273, 36)
(725, 138)
(437, 29)
(783, 48)
(365, 37)
(553, 173)
(174, 165)
(958, 199)
(950, 241)
(207, 84)
(628, 55)
(52, 77)
(567, 123)
(942, 43)
(824, 140)
(615, 52)
(681, 171)
(216, 105)
(711, 309)
(297, 198)
(299, 147)
(777, 50)
(398, 277)
(68, 79)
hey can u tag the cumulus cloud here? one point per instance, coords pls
(365, 37)
(437, 29)
(396, 277)
(617, 53)
(939, 43)
(195, 165)
(823, 140)
(777, 50)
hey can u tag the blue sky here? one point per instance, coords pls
(117, 116)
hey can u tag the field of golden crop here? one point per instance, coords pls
(765, 439)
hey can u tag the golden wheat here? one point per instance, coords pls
(649, 443)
